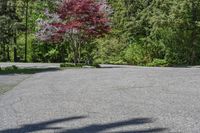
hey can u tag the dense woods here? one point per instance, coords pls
(139, 32)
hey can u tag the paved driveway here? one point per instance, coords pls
(108, 100)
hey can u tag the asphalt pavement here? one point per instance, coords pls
(105, 100)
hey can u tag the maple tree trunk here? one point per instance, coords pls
(75, 50)
(79, 53)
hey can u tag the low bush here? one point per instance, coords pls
(70, 65)
(135, 55)
(13, 67)
(158, 62)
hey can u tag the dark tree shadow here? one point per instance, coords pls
(40, 126)
(153, 130)
(95, 128)
(103, 127)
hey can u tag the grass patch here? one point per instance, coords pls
(70, 65)
(158, 63)
(79, 65)
(5, 88)
(16, 70)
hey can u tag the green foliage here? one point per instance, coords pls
(71, 65)
(167, 30)
(134, 54)
(14, 67)
(109, 50)
(158, 62)
(9, 68)
(144, 32)
(42, 52)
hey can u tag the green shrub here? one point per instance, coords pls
(13, 67)
(8, 68)
(118, 62)
(70, 65)
(96, 64)
(110, 50)
(158, 62)
(135, 54)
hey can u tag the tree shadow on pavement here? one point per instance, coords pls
(103, 127)
(40, 126)
(96, 128)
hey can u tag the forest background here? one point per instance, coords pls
(143, 32)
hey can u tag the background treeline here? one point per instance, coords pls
(144, 32)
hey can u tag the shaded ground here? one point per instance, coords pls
(95, 128)
(31, 65)
(7, 82)
(110, 100)
(10, 78)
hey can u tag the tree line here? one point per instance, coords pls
(142, 32)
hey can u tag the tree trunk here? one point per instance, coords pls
(193, 57)
(15, 47)
(75, 57)
(79, 52)
(193, 35)
(8, 53)
(26, 33)
(75, 53)
(15, 55)
(63, 53)
(4, 52)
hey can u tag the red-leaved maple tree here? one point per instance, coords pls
(76, 21)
